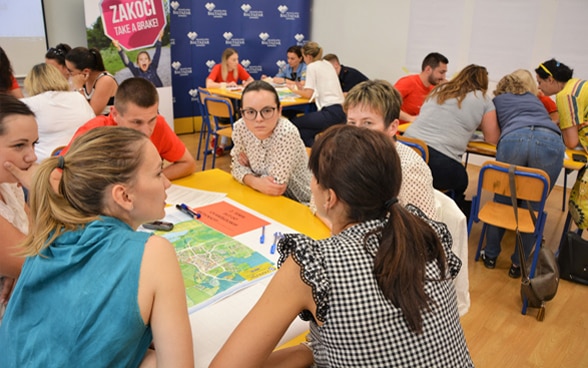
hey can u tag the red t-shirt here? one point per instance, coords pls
(549, 104)
(14, 83)
(413, 93)
(170, 147)
(216, 76)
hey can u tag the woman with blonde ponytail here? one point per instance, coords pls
(105, 290)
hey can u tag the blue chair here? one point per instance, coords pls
(531, 185)
(202, 94)
(217, 108)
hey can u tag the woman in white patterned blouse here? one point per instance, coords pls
(378, 293)
(268, 153)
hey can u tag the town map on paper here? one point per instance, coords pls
(213, 264)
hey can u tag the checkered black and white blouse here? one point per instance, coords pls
(362, 328)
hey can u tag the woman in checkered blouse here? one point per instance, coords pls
(378, 293)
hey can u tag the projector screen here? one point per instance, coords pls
(22, 33)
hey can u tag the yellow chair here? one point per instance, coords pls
(531, 185)
(418, 145)
(217, 108)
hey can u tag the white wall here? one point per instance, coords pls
(65, 22)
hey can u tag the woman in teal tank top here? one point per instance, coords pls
(93, 291)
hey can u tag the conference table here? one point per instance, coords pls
(287, 100)
(212, 325)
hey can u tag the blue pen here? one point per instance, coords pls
(184, 208)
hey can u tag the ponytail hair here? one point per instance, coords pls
(83, 58)
(367, 182)
(70, 191)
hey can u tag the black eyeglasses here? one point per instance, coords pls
(266, 113)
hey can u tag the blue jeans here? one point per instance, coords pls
(535, 147)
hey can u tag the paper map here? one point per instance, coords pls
(213, 264)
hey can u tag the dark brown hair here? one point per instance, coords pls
(367, 182)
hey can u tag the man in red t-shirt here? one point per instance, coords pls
(136, 106)
(415, 88)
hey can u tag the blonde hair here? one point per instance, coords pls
(510, 83)
(527, 78)
(225, 64)
(96, 160)
(45, 77)
(470, 79)
(379, 96)
(313, 49)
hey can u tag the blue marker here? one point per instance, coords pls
(277, 236)
(185, 209)
(262, 237)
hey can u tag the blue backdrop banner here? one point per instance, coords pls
(261, 31)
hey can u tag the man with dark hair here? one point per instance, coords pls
(415, 88)
(136, 106)
(348, 76)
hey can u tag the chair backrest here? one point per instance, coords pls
(416, 144)
(202, 94)
(531, 184)
(219, 107)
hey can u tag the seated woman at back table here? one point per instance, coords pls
(294, 70)
(59, 111)
(571, 98)
(268, 154)
(229, 71)
(322, 85)
(528, 138)
(377, 293)
(90, 78)
(449, 116)
(93, 291)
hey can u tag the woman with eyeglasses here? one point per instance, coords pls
(56, 56)
(268, 153)
(571, 98)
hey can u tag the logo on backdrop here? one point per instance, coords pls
(133, 23)
(284, 13)
(214, 12)
(299, 37)
(210, 64)
(251, 69)
(251, 14)
(179, 71)
(233, 42)
(193, 95)
(281, 64)
(269, 42)
(198, 42)
(180, 12)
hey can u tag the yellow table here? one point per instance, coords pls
(281, 209)
(236, 95)
(212, 325)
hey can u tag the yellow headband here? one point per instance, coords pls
(545, 69)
